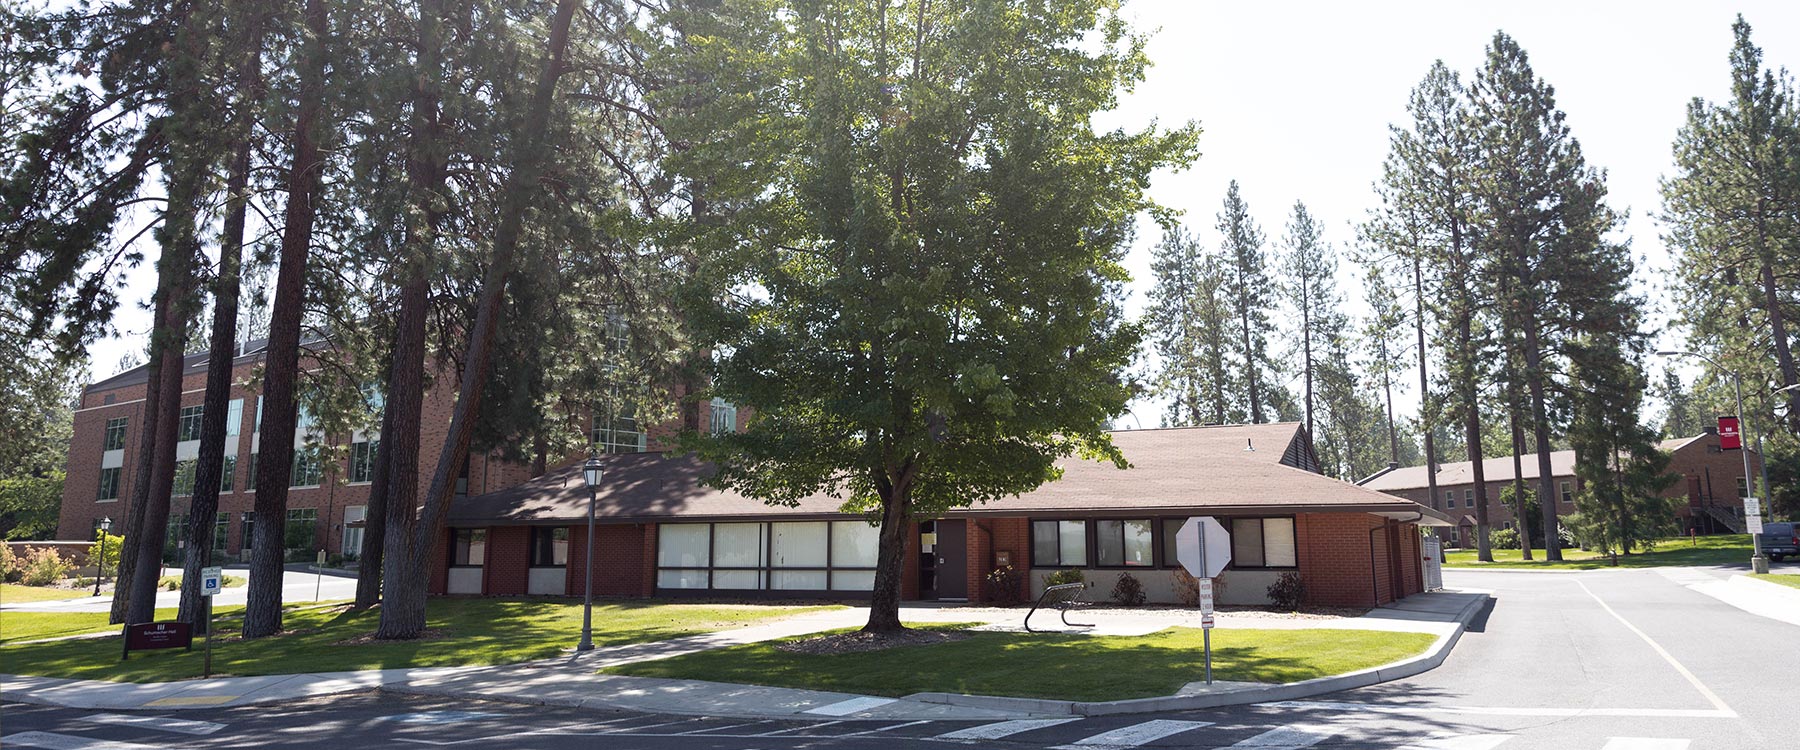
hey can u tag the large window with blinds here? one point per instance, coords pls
(767, 556)
(1263, 543)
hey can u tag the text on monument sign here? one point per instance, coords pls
(148, 636)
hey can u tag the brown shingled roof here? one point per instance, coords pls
(1173, 469)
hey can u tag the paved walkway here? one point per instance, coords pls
(572, 680)
(297, 587)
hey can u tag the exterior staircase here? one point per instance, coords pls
(1726, 517)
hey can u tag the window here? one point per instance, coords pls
(549, 546)
(188, 426)
(302, 530)
(258, 427)
(1449, 498)
(250, 475)
(791, 556)
(683, 553)
(798, 552)
(622, 434)
(724, 417)
(109, 484)
(247, 523)
(307, 470)
(115, 434)
(184, 477)
(1124, 543)
(1262, 543)
(468, 548)
(1468, 498)
(228, 476)
(1566, 493)
(362, 461)
(234, 417)
(1743, 490)
(353, 534)
(1059, 543)
(1170, 527)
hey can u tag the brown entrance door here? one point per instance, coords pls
(952, 560)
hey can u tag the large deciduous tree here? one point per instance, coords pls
(925, 232)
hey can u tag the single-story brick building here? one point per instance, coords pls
(661, 532)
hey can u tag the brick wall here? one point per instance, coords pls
(986, 536)
(909, 578)
(508, 561)
(1335, 561)
(618, 560)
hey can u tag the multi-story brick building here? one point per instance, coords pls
(662, 532)
(1710, 485)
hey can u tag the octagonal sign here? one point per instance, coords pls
(1203, 547)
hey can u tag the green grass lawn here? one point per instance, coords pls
(1785, 579)
(31, 626)
(1067, 667)
(1706, 550)
(12, 593)
(326, 639)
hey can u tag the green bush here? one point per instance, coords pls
(1503, 539)
(1066, 575)
(43, 566)
(1128, 591)
(114, 543)
(1288, 592)
(1004, 584)
(10, 570)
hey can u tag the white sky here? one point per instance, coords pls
(1296, 99)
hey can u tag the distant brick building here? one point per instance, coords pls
(1710, 483)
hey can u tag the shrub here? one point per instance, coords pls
(10, 571)
(1003, 584)
(1187, 588)
(1289, 591)
(1503, 539)
(43, 566)
(114, 543)
(1066, 575)
(1128, 591)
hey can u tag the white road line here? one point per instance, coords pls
(183, 726)
(1292, 736)
(1462, 742)
(845, 708)
(53, 741)
(886, 728)
(721, 729)
(1376, 708)
(1135, 735)
(1001, 729)
(1695, 681)
(797, 729)
(1644, 743)
(570, 729)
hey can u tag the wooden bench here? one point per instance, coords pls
(1064, 597)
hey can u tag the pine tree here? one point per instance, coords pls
(1309, 289)
(1385, 334)
(1251, 293)
(1189, 325)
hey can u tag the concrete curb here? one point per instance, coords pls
(1435, 655)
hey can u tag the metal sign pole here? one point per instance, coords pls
(209, 631)
(1206, 632)
(319, 578)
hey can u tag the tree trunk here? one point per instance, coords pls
(1250, 365)
(203, 509)
(394, 495)
(1471, 407)
(133, 521)
(1518, 444)
(890, 563)
(155, 472)
(275, 462)
(1540, 417)
(1784, 354)
(403, 616)
(1306, 356)
(1424, 381)
(154, 516)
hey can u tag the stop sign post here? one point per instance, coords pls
(1203, 547)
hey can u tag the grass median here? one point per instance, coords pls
(1785, 579)
(334, 638)
(15, 593)
(1057, 666)
(1722, 549)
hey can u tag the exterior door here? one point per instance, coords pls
(952, 560)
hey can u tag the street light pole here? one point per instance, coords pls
(100, 565)
(1758, 563)
(590, 474)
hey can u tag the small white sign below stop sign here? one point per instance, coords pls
(1203, 547)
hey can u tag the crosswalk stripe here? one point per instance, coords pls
(886, 728)
(1291, 737)
(183, 726)
(1135, 735)
(797, 729)
(1461, 742)
(845, 708)
(54, 741)
(1644, 743)
(1001, 729)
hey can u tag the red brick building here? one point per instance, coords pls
(1710, 485)
(661, 532)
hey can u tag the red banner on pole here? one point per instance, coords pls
(1729, 438)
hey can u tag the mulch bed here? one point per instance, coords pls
(860, 642)
(431, 634)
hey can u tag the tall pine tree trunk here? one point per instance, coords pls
(156, 436)
(1518, 451)
(275, 462)
(1540, 425)
(1425, 415)
(203, 508)
(1470, 392)
(394, 496)
(1784, 354)
(403, 608)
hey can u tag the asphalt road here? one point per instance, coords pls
(1625, 660)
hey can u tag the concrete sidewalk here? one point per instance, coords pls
(298, 585)
(572, 680)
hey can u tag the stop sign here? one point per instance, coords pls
(1203, 547)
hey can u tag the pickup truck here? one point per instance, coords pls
(1780, 540)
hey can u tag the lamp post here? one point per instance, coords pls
(1758, 563)
(590, 473)
(100, 565)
